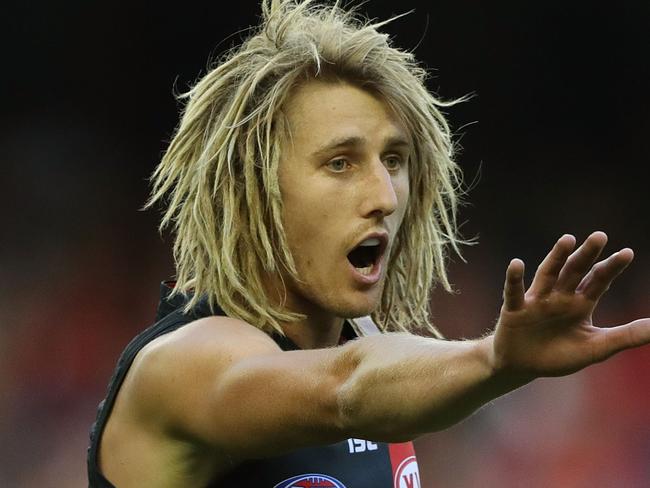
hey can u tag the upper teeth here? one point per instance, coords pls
(373, 241)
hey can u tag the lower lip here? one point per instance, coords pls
(370, 279)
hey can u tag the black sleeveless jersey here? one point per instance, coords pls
(353, 463)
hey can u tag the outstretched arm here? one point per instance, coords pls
(226, 384)
(546, 330)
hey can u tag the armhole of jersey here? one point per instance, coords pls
(364, 326)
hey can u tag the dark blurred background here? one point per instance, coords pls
(555, 141)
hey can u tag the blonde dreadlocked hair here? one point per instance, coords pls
(219, 179)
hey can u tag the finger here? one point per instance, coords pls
(513, 290)
(580, 262)
(601, 276)
(549, 269)
(622, 337)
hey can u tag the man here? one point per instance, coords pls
(313, 193)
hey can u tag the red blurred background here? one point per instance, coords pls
(555, 141)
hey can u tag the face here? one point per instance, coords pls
(343, 176)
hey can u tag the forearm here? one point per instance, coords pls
(404, 385)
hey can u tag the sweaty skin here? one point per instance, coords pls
(198, 400)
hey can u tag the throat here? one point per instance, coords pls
(312, 333)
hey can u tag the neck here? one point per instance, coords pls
(320, 329)
(314, 332)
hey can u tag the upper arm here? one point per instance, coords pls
(224, 383)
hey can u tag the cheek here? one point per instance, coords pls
(310, 202)
(304, 214)
(305, 218)
(403, 193)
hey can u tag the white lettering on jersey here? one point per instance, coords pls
(361, 445)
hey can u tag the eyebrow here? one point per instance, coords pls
(348, 141)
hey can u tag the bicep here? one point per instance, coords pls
(277, 402)
(234, 389)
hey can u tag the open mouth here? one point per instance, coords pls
(366, 255)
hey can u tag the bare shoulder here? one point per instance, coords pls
(172, 375)
(216, 338)
(163, 414)
(221, 385)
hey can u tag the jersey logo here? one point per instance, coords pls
(310, 481)
(360, 445)
(407, 474)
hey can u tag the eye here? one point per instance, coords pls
(338, 165)
(393, 163)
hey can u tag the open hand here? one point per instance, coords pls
(547, 330)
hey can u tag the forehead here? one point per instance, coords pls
(319, 110)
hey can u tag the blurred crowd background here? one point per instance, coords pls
(555, 140)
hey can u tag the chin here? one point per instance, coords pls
(353, 311)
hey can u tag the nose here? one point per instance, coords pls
(379, 191)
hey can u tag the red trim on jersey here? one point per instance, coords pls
(401, 456)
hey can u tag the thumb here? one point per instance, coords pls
(616, 339)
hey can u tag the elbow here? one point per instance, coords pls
(357, 417)
(347, 393)
(347, 409)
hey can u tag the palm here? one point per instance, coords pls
(548, 329)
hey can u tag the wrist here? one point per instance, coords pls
(500, 377)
